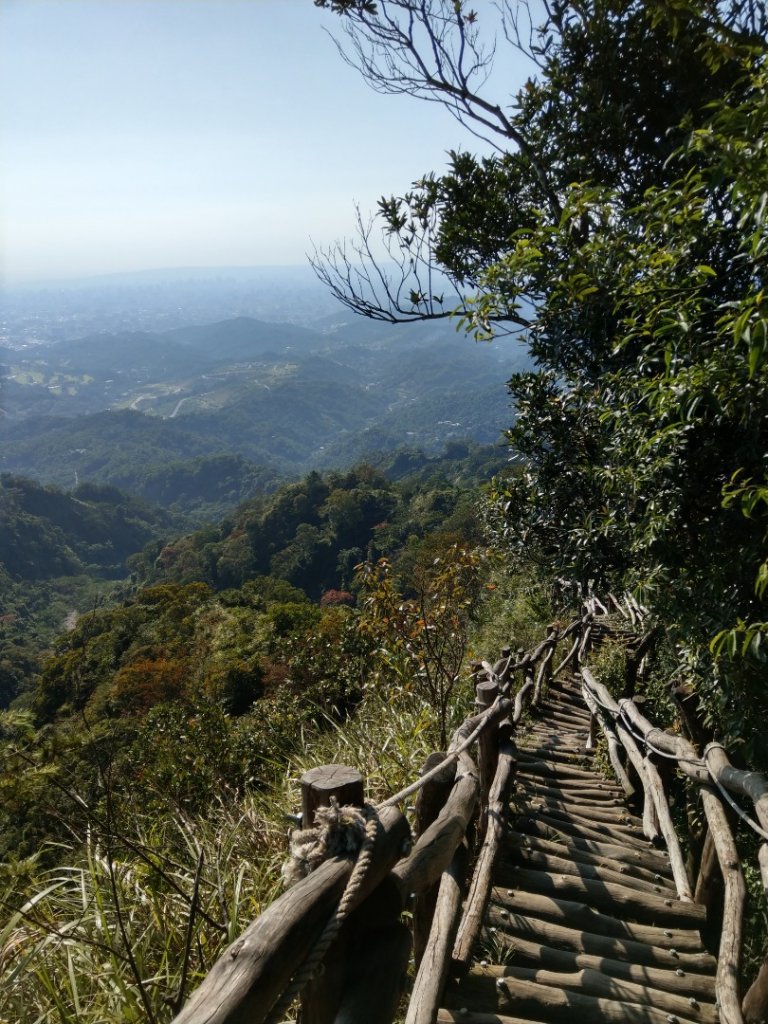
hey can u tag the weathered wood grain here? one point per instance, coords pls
(433, 971)
(482, 880)
(246, 981)
(578, 914)
(507, 928)
(490, 989)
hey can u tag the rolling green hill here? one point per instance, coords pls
(132, 410)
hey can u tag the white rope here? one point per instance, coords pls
(332, 928)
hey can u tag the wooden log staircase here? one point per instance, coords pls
(544, 879)
(584, 922)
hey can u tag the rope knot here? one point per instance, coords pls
(337, 831)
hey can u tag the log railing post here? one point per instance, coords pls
(430, 801)
(486, 693)
(322, 996)
(320, 785)
(755, 1004)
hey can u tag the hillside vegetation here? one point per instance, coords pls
(155, 414)
(622, 226)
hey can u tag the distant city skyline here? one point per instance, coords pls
(140, 134)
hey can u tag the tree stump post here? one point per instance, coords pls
(319, 785)
(321, 997)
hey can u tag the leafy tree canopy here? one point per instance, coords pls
(621, 224)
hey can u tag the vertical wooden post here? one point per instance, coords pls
(487, 749)
(322, 996)
(552, 632)
(507, 660)
(544, 673)
(592, 737)
(709, 885)
(429, 803)
(755, 1004)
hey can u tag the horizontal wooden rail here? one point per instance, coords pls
(246, 982)
(632, 725)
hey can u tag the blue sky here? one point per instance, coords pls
(137, 134)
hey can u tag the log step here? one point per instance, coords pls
(518, 844)
(605, 871)
(577, 914)
(673, 979)
(528, 990)
(649, 858)
(606, 897)
(506, 928)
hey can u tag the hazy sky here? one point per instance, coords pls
(155, 133)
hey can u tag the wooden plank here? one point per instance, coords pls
(579, 914)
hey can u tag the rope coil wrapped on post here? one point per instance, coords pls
(340, 830)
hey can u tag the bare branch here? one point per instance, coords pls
(433, 51)
(399, 285)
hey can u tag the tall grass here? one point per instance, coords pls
(125, 926)
(129, 923)
(134, 916)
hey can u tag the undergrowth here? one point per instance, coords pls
(141, 903)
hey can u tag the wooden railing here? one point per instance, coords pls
(462, 795)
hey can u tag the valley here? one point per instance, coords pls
(120, 408)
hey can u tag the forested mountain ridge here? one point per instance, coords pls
(250, 621)
(61, 554)
(117, 409)
(46, 532)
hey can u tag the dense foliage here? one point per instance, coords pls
(60, 555)
(242, 631)
(622, 224)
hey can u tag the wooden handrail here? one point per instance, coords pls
(245, 983)
(249, 979)
(695, 767)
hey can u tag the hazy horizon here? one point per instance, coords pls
(170, 133)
